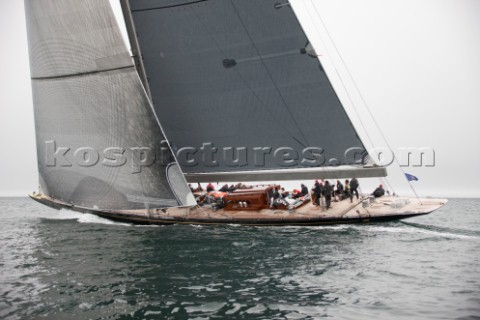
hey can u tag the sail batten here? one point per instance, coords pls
(81, 74)
(168, 4)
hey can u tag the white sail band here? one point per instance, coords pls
(340, 172)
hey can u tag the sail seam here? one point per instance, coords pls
(270, 76)
(168, 7)
(80, 74)
(245, 83)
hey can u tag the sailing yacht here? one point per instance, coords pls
(213, 90)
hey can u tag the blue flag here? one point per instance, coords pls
(411, 177)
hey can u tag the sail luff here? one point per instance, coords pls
(295, 5)
(337, 72)
(134, 46)
(173, 172)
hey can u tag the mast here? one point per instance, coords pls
(134, 45)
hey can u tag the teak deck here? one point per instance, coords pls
(341, 212)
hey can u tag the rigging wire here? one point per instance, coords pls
(342, 82)
(361, 96)
(352, 103)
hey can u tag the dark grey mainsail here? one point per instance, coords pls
(99, 143)
(239, 89)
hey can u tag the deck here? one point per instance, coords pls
(381, 209)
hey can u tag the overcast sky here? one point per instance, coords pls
(416, 64)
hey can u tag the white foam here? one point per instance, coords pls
(336, 227)
(258, 309)
(413, 230)
(65, 214)
(90, 218)
(235, 309)
(85, 305)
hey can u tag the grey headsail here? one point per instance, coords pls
(99, 143)
(239, 89)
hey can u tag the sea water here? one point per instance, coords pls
(66, 265)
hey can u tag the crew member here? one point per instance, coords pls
(317, 191)
(210, 187)
(327, 191)
(353, 188)
(379, 192)
(346, 191)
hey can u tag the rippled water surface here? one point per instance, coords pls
(64, 265)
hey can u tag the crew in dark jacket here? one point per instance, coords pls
(353, 188)
(317, 191)
(304, 191)
(273, 195)
(210, 187)
(339, 188)
(379, 192)
(327, 192)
